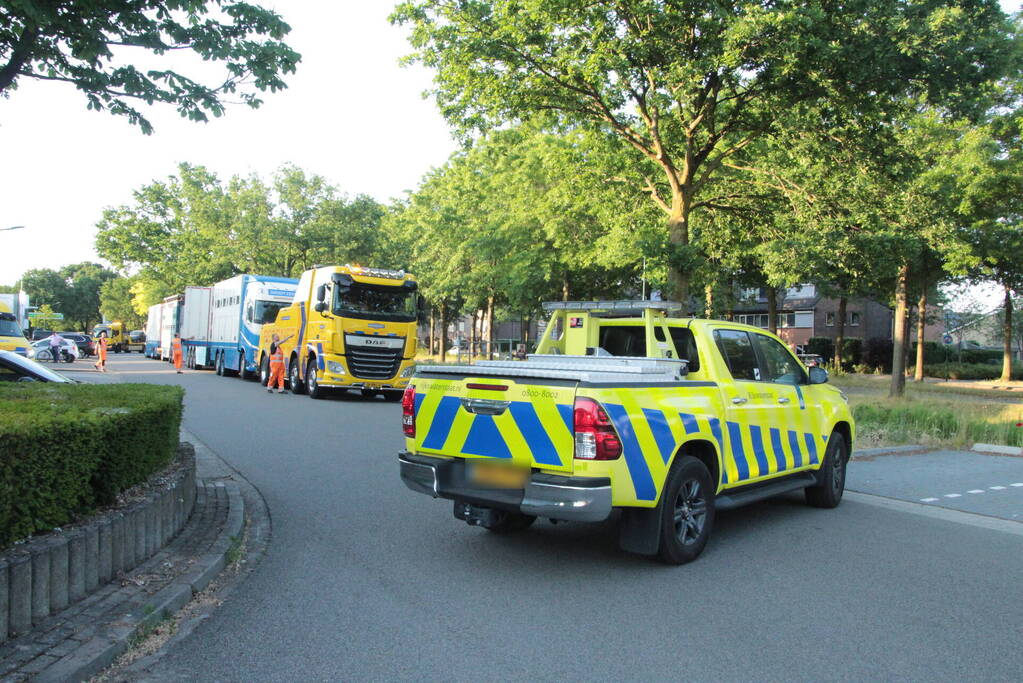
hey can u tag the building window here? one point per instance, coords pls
(800, 292)
(804, 319)
(854, 319)
(751, 294)
(829, 319)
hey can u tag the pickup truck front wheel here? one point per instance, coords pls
(827, 493)
(687, 511)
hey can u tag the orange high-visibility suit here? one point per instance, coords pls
(176, 353)
(276, 369)
(101, 351)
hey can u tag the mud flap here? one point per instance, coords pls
(640, 530)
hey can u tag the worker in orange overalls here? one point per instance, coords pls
(176, 352)
(101, 351)
(277, 364)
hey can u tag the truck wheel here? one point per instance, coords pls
(827, 493)
(219, 363)
(294, 381)
(243, 370)
(510, 522)
(264, 370)
(312, 380)
(687, 511)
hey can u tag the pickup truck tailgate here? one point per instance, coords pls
(526, 423)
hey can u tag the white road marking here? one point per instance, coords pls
(1018, 483)
(953, 495)
(937, 512)
(976, 491)
(997, 488)
(928, 500)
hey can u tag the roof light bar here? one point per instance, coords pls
(611, 306)
(377, 272)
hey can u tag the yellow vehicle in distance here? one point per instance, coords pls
(117, 340)
(348, 327)
(12, 338)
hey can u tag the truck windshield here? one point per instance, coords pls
(10, 328)
(266, 311)
(371, 302)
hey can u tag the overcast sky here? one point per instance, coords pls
(350, 114)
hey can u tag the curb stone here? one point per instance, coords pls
(886, 450)
(996, 449)
(111, 640)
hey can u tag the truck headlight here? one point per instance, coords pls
(407, 372)
(335, 368)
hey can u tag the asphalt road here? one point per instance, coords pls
(365, 580)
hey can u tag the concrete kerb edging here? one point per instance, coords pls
(47, 574)
(115, 639)
(886, 450)
(996, 449)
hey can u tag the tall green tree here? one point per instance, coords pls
(88, 43)
(688, 86)
(116, 302)
(73, 291)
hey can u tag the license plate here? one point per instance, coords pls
(497, 475)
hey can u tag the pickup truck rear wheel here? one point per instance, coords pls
(687, 511)
(510, 522)
(827, 493)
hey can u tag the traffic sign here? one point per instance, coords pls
(947, 339)
(49, 316)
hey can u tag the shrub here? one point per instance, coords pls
(970, 371)
(877, 353)
(67, 449)
(852, 351)
(822, 346)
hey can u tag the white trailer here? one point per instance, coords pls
(195, 326)
(153, 327)
(170, 324)
(240, 307)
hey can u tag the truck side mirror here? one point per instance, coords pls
(321, 293)
(320, 307)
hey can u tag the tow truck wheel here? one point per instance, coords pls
(827, 493)
(510, 522)
(264, 371)
(312, 380)
(687, 511)
(294, 381)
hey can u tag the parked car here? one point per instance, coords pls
(811, 360)
(84, 342)
(40, 350)
(39, 333)
(15, 368)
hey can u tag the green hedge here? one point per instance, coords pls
(67, 449)
(969, 371)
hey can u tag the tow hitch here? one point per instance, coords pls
(476, 515)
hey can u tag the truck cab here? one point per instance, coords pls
(348, 327)
(117, 340)
(12, 338)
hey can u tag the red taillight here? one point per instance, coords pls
(408, 411)
(595, 435)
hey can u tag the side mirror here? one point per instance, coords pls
(321, 293)
(818, 375)
(320, 307)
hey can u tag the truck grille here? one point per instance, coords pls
(370, 363)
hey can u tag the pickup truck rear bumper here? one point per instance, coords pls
(576, 499)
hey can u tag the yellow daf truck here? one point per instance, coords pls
(625, 408)
(348, 327)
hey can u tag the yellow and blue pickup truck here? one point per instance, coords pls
(622, 407)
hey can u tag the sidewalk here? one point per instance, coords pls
(88, 636)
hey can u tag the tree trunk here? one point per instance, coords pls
(431, 337)
(443, 331)
(898, 386)
(921, 328)
(678, 236)
(564, 288)
(772, 310)
(907, 326)
(19, 57)
(1007, 338)
(708, 298)
(843, 305)
(472, 333)
(490, 328)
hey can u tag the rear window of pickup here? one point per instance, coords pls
(630, 340)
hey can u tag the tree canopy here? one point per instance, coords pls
(95, 44)
(73, 290)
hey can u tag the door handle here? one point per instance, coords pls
(783, 400)
(739, 401)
